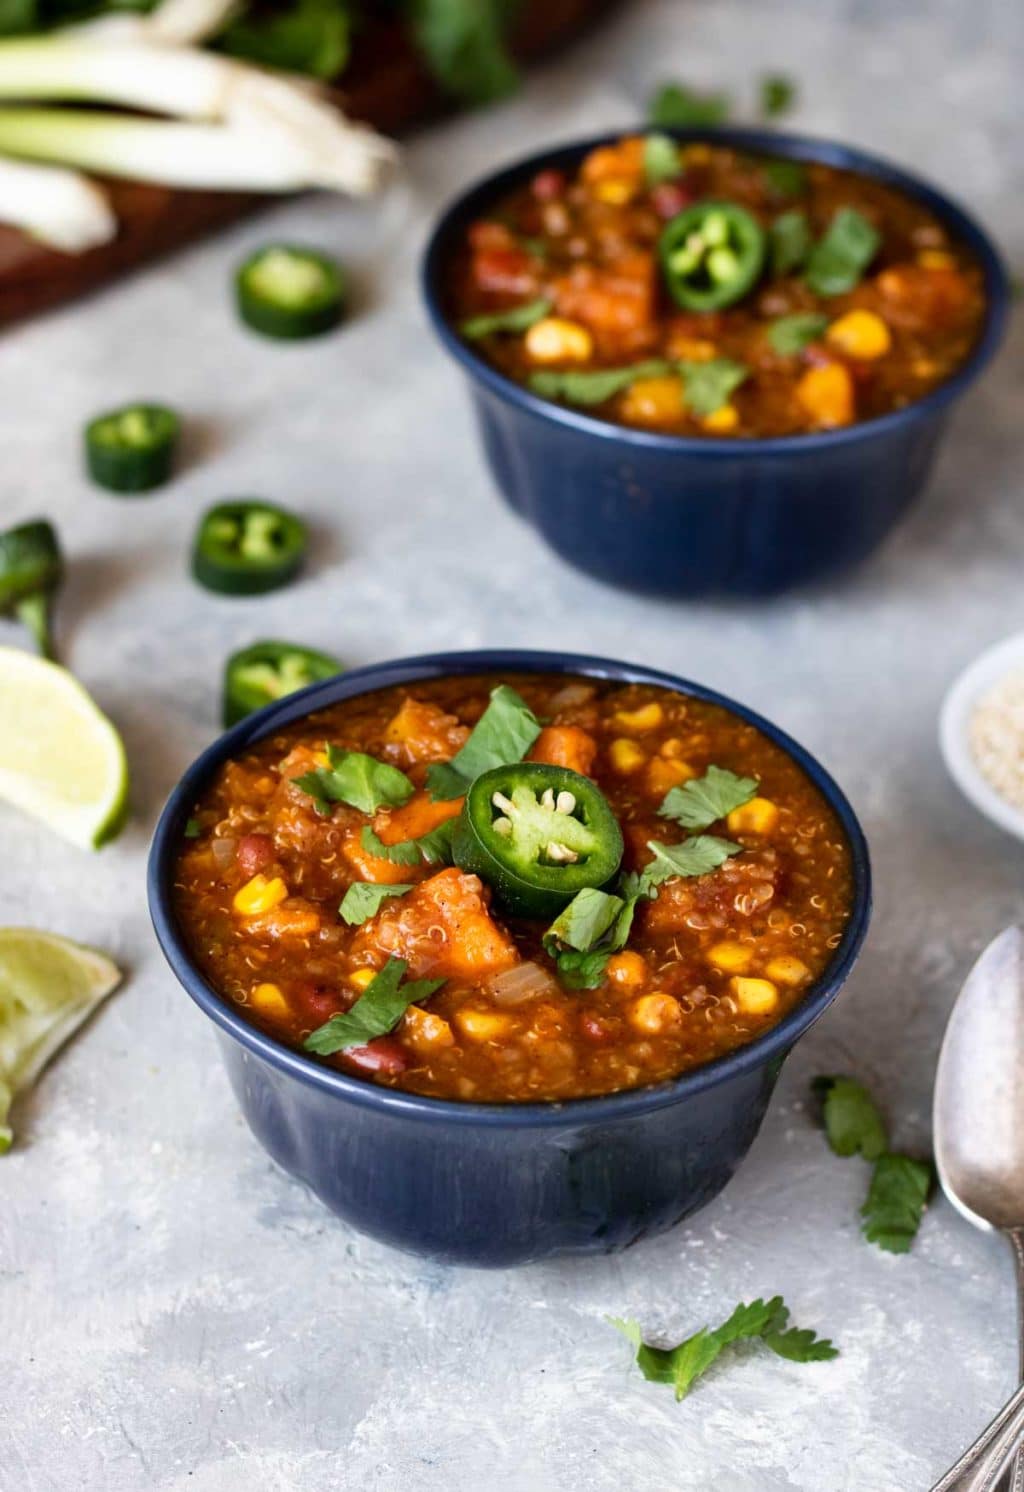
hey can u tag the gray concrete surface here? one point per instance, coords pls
(175, 1313)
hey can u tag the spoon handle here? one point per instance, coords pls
(1015, 1479)
(979, 1469)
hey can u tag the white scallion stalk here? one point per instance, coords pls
(281, 112)
(210, 157)
(56, 206)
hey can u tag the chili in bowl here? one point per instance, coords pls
(505, 949)
(715, 361)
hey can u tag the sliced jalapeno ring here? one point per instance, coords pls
(266, 671)
(132, 449)
(537, 835)
(245, 548)
(289, 292)
(31, 569)
(711, 254)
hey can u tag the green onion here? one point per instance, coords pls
(57, 207)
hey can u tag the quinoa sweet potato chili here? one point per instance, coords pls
(533, 887)
(703, 290)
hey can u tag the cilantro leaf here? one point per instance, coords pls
(192, 829)
(661, 159)
(789, 241)
(463, 44)
(432, 848)
(764, 1320)
(504, 733)
(307, 36)
(364, 899)
(791, 334)
(700, 802)
(675, 106)
(377, 1011)
(585, 920)
(896, 1201)
(357, 779)
(694, 857)
(840, 257)
(786, 178)
(516, 319)
(778, 95)
(597, 386)
(580, 970)
(853, 1124)
(708, 385)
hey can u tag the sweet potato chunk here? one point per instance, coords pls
(424, 733)
(565, 746)
(418, 817)
(442, 929)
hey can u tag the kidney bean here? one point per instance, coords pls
(669, 198)
(254, 853)
(381, 1055)
(547, 185)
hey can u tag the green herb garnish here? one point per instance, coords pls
(762, 1320)
(661, 159)
(786, 178)
(838, 260)
(354, 778)
(504, 733)
(853, 1125)
(791, 334)
(708, 385)
(518, 319)
(464, 45)
(432, 848)
(192, 829)
(675, 106)
(789, 240)
(702, 801)
(305, 36)
(377, 1011)
(364, 899)
(694, 857)
(778, 95)
(896, 1201)
(595, 387)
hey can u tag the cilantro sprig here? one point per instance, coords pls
(432, 848)
(364, 899)
(900, 1185)
(840, 257)
(789, 335)
(354, 778)
(707, 386)
(702, 801)
(596, 386)
(377, 1011)
(516, 319)
(464, 43)
(504, 733)
(762, 1320)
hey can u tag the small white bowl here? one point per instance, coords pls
(954, 724)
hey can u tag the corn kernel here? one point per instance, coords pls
(362, 978)
(653, 401)
(425, 1030)
(936, 259)
(759, 816)
(615, 190)
(482, 1025)
(663, 776)
(826, 393)
(731, 957)
(260, 895)
(555, 340)
(269, 1000)
(860, 334)
(788, 970)
(654, 1013)
(627, 968)
(723, 421)
(648, 717)
(625, 755)
(755, 996)
(692, 349)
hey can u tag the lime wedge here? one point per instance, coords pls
(61, 760)
(48, 987)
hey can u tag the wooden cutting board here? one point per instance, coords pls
(385, 85)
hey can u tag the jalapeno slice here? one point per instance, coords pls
(269, 670)
(537, 835)
(290, 292)
(245, 548)
(31, 569)
(711, 255)
(132, 449)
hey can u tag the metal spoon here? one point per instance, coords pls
(978, 1118)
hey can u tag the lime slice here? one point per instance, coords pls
(61, 760)
(48, 987)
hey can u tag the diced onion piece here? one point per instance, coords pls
(223, 852)
(523, 982)
(571, 697)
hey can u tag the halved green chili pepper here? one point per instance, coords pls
(537, 835)
(711, 254)
(31, 569)
(290, 292)
(267, 671)
(245, 548)
(132, 449)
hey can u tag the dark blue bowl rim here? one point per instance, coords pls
(759, 141)
(773, 1044)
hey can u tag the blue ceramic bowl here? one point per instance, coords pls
(495, 1184)
(680, 516)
